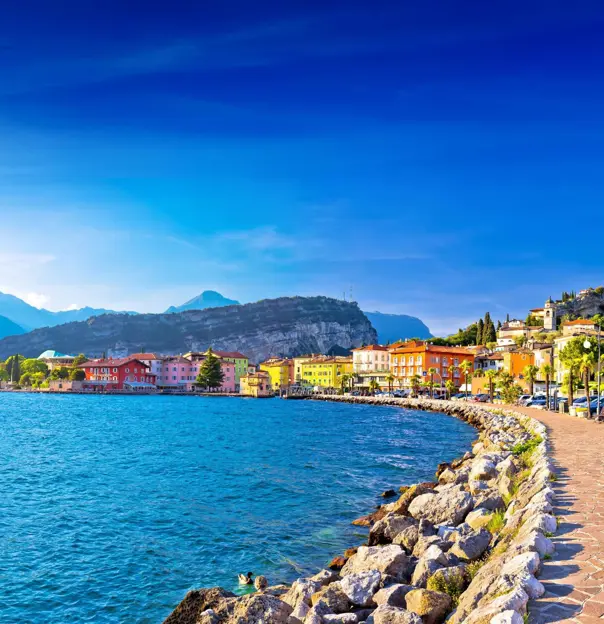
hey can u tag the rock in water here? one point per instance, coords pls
(389, 560)
(260, 582)
(196, 602)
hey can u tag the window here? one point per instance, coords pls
(115, 370)
(455, 361)
(127, 370)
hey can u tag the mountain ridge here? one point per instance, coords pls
(281, 327)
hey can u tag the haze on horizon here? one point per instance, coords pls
(442, 158)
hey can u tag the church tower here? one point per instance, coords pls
(549, 315)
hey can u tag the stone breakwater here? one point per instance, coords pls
(464, 548)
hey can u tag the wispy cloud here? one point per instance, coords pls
(9, 260)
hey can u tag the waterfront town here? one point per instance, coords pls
(539, 358)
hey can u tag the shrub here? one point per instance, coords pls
(525, 447)
(497, 522)
(454, 585)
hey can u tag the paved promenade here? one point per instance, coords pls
(574, 578)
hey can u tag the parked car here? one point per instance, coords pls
(480, 398)
(524, 398)
(537, 402)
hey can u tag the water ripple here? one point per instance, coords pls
(113, 507)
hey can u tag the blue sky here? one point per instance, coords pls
(443, 158)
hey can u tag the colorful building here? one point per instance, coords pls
(280, 371)
(514, 363)
(153, 361)
(416, 357)
(55, 359)
(256, 384)
(371, 364)
(117, 374)
(240, 361)
(326, 371)
(180, 374)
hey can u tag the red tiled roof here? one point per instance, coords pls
(231, 354)
(579, 322)
(372, 348)
(144, 356)
(110, 362)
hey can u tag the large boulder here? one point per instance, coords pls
(407, 538)
(385, 530)
(482, 470)
(301, 591)
(340, 618)
(390, 560)
(432, 560)
(260, 609)
(333, 597)
(479, 518)
(472, 546)
(360, 587)
(196, 602)
(393, 595)
(386, 614)
(401, 506)
(431, 606)
(447, 507)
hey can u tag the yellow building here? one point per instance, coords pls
(326, 372)
(280, 372)
(256, 384)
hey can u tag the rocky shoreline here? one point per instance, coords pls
(464, 548)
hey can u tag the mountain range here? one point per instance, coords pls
(17, 316)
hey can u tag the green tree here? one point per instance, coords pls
(489, 335)
(587, 364)
(415, 384)
(390, 381)
(13, 367)
(79, 359)
(491, 376)
(344, 379)
(466, 367)
(37, 379)
(479, 332)
(510, 391)
(374, 386)
(450, 386)
(519, 340)
(432, 371)
(25, 379)
(60, 372)
(530, 374)
(570, 356)
(77, 374)
(210, 374)
(32, 365)
(547, 371)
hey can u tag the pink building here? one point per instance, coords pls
(180, 373)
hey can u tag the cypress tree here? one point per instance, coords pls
(498, 325)
(210, 372)
(489, 334)
(480, 332)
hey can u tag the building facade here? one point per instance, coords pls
(117, 374)
(55, 359)
(326, 372)
(280, 371)
(417, 357)
(179, 373)
(256, 385)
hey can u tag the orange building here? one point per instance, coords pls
(515, 361)
(417, 357)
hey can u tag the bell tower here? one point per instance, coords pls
(549, 315)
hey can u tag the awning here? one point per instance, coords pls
(139, 384)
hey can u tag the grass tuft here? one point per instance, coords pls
(497, 522)
(453, 586)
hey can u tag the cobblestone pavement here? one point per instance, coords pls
(574, 577)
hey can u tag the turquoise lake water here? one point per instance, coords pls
(113, 507)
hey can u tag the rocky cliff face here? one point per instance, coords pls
(286, 326)
(583, 306)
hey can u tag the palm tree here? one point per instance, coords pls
(466, 367)
(530, 374)
(450, 386)
(432, 372)
(373, 386)
(547, 371)
(586, 366)
(491, 375)
(344, 379)
(390, 381)
(415, 382)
